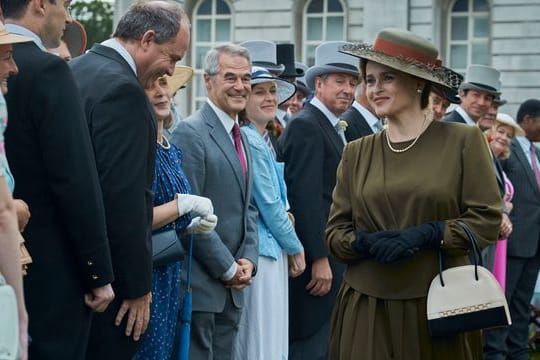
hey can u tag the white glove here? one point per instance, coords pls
(202, 225)
(192, 203)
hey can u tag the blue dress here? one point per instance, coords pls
(169, 180)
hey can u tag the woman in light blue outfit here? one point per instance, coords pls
(263, 331)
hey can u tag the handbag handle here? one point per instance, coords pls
(477, 259)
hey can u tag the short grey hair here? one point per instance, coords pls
(211, 62)
(163, 17)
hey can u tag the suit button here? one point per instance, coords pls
(90, 263)
(95, 277)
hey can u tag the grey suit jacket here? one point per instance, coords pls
(214, 171)
(525, 217)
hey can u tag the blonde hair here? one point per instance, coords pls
(491, 132)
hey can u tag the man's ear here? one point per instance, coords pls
(147, 39)
(38, 6)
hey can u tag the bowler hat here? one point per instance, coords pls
(285, 56)
(263, 53)
(328, 60)
(407, 52)
(482, 78)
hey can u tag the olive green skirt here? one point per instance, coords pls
(364, 327)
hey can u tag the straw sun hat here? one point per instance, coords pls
(407, 52)
(182, 74)
(9, 38)
(506, 119)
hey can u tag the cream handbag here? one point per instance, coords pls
(465, 298)
(9, 322)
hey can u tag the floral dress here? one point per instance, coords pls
(169, 180)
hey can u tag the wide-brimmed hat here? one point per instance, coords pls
(482, 78)
(407, 52)
(263, 53)
(75, 38)
(328, 60)
(285, 89)
(9, 38)
(506, 119)
(182, 74)
(285, 56)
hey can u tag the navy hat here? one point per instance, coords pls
(285, 56)
(285, 89)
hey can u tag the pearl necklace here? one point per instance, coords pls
(164, 143)
(408, 146)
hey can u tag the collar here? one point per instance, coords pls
(116, 45)
(21, 30)
(524, 143)
(224, 118)
(371, 119)
(329, 115)
(465, 116)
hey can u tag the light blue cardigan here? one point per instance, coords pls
(269, 193)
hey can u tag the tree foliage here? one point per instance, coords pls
(96, 17)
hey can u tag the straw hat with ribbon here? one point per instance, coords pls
(506, 119)
(182, 74)
(407, 52)
(9, 38)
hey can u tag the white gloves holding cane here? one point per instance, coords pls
(205, 221)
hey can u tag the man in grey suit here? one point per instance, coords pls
(523, 262)
(217, 164)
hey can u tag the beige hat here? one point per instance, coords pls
(407, 52)
(9, 38)
(506, 119)
(182, 74)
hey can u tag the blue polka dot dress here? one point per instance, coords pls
(169, 179)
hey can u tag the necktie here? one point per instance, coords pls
(535, 168)
(340, 132)
(266, 138)
(238, 147)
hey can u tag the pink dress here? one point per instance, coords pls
(499, 264)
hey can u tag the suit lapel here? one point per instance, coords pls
(223, 141)
(330, 133)
(522, 158)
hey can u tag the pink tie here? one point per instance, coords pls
(535, 165)
(238, 147)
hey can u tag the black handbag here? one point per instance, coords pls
(166, 248)
(465, 298)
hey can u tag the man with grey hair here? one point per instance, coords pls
(217, 163)
(149, 39)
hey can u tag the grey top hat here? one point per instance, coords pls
(482, 78)
(263, 53)
(301, 80)
(328, 60)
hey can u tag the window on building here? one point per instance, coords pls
(469, 34)
(211, 24)
(324, 20)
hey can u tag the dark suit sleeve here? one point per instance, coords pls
(68, 157)
(120, 131)
(302, 148)
(209, 250)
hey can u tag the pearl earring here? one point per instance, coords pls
(419, 90)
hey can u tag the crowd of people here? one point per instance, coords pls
(311, 202)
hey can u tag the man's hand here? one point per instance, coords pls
(321, 277)
(138, 311)
(242, 277)
(506, 227)
(297, 264)
(23, 213)
(99, 298)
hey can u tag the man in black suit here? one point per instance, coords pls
(360, 117)
(149, 39)
(523, 262)
(51, 157)
(311, 148)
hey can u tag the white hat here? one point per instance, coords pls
(285, 89)
(506, 119)
(328, 60)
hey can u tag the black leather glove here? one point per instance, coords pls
(364, 240)
(408, 242)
